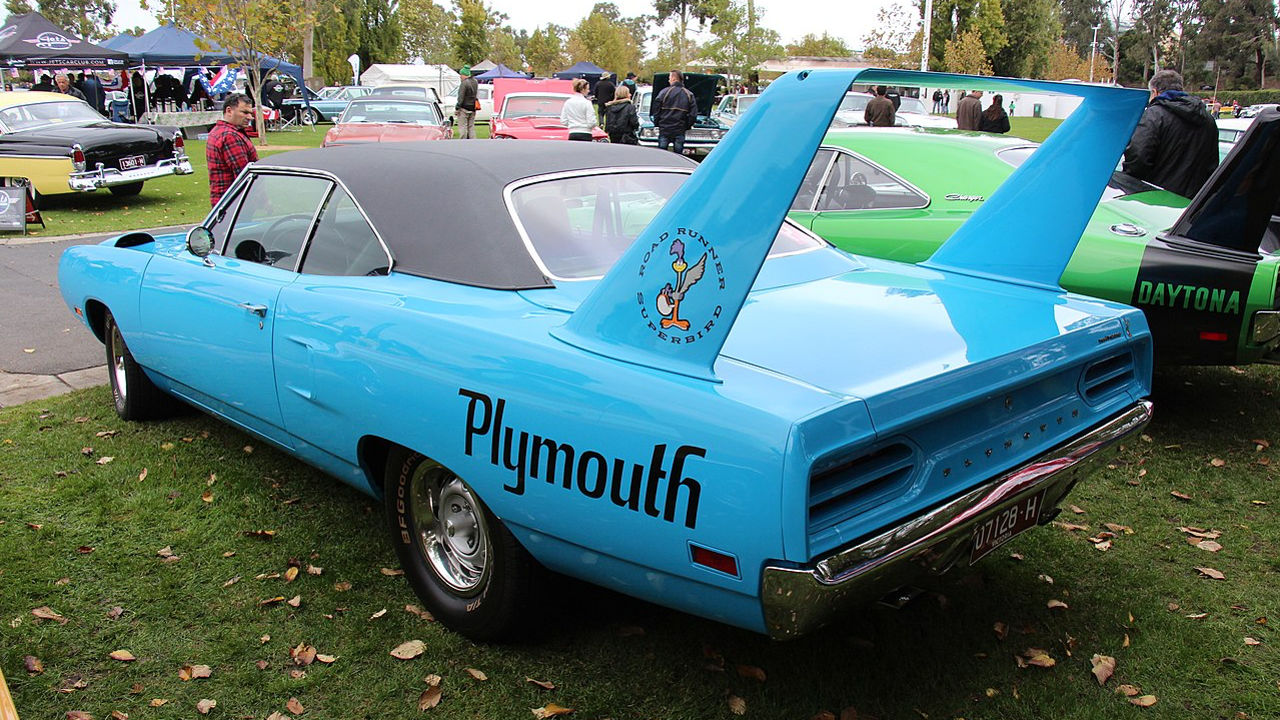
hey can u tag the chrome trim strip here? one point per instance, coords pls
(798, 599)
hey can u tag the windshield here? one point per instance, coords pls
(1119, 185)
(911, 105)
(548, 106)
(44, 114)
(388, 111)
(580, 226)
(744, 102)
(854, 102)
(643, 102)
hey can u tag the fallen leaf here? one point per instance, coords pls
(266, 576)
(78, 715)
(1198, 616)
(1057, 605)
(294, 601)
(117, 715)
(1045, 578)
(264, 534)
(207, 496)
(34, 526)
(62, 581)
(378, 614)
(1217, 462)
(751, 672)
(1103, 667)
(248, 449)
(122, 656)
(1211, 573)
(1209, 545)
(1260, 445)
(142, 475)
(1180, 495)
(544, 684)
(303, 654)
(262, 664)
(45, 613)
(297, 674)
(1259, 502)
(550, 710)
(389, 572)
(271, 601)
(1016, 556)
(136, 689)
(205, 705)
(1103, 546)
(1125, 642)
(84, 549)
(104, 460)
(294, 706)
(430, 697)
(477, 674)
(342, 586)
(313, 570)
(1252, 641)
(291, 574)
(166, 446)
(1144, 701)
(415, 610)
(737, 705)
(33, 664)
(1118, 529)
(1071, 526)
(1127, 690)
(165, 552)
(264, 639)
(409, 650)
(1077, 510)
(1001, 630)
(157, 702)
(231, 582)
(1038, 657)
(106, 433)
(326, 659)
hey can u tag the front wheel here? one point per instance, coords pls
(309, 116)
(463, 563)
(135, 396)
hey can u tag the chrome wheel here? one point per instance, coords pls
(450, 529)
(119, 375)
(310, 117)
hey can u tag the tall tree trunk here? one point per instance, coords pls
(308, 44)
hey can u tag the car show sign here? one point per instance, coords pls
(13, 209)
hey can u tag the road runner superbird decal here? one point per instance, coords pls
(668, 299)
(653, 488)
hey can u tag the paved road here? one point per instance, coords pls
(34, 317)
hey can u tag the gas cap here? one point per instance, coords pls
(1128, 230)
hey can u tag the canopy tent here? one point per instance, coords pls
(32, 41)
(483, 66)
(500, 71)
(583, 69)
(172, 46)
(440, 77)
(119, 42)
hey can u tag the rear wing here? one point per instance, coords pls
(671, 299)
(1236, 207)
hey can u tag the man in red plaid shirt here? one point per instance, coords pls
(229, 148)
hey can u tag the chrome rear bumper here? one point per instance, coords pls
(799, 599)
(91, 180)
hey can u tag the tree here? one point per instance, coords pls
(1078, 17)
(1065, 63)
(246, 29)
(668, 56)
(741, 44)
(470, 35)
(18, 7)
(545, 52)
(814, 46)
(952, 17)
(601, 39)
(1239, 33)
(966, 55)
(337, 36)
(90, 19)
(380, 38)
(425, 28)
(896, 40)
(505, 46)
(1031, 28)
(684, 11)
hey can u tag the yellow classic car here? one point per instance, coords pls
(60, 144)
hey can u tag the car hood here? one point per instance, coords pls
(352, 133)
(858, 333)
(701, 85)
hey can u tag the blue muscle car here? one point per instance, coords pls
(600, 361)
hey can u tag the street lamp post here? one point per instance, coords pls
(1093, 50)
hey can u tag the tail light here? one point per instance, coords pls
(77, 158)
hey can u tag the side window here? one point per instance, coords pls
(855, 184)
(220, 225)
(344, 244)
(812, 181)
(275, 218)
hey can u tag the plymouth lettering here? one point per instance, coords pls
(1188, 297)
(653, 488)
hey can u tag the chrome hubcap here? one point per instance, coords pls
(450, 529)
(117, 363)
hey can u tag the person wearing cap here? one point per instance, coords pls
(466, 110)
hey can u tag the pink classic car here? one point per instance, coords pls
(386, 119)
(530, 110)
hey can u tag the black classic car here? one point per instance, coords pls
(59, 144)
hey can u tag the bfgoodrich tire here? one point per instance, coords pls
(463, 563)
(135, 396)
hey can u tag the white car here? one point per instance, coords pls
(911, 112)
(484, 93)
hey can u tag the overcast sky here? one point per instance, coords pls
(848, 19)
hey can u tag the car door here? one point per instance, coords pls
(211, 321)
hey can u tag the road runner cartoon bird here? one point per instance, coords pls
(668, 300)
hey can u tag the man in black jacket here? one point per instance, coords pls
(605, 88)
(1175, 144)
(674, 112)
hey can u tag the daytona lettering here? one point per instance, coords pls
(1188, 297)
(653, 488)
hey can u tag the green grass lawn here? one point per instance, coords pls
(176, 200)
(90, 505)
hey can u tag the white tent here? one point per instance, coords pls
(440, 77)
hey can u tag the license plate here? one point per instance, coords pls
(1005, 524)
(133, 161)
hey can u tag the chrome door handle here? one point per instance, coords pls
(259, 310)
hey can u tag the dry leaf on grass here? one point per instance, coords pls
(430, 697)
(1144, 700)
(415, 610)
(104, 460)
(326, 659)
(291, 574)
(231, 582)
(191, 672)
(294, 601)
(1252, 641)
(1127, 690)
(303, 654)
(294, 706)
(78, 715)
(1180, 495)
(1037, 657)
(33, 664)
(115, 612)
(1070, 526)
(342, 586)
(409, 650)
(391, 572)
(117, 715)
(550, 710)
(157, 702)
(1209, 545)
(1211, 573)
(751, 672)
(264, 534)
(544, 684)
(271, 601)
(433, 679)
(122, 656)
(136, 689)
(45, 613)
(1001, 630)
(1118, 529)
(1104, 666)
(313, 570)
(378, 614)
(1057, 605)
(737, 705)
(1217, 462)
(205, 705)
(477, 674)
(207, 496)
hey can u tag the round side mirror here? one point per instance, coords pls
(200, 241)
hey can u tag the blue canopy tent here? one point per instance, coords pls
(119, 42)
(501, 71)
(583, 69)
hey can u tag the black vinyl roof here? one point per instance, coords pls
(439, 205)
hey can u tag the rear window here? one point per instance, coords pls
(541, 106)
(579, 226)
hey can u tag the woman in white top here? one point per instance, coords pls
(579, 115)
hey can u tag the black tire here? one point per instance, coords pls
(126, 190)
(477, 580)
(310, 116)
(135, 396)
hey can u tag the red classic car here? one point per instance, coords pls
(530, 110)
(377, 119)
